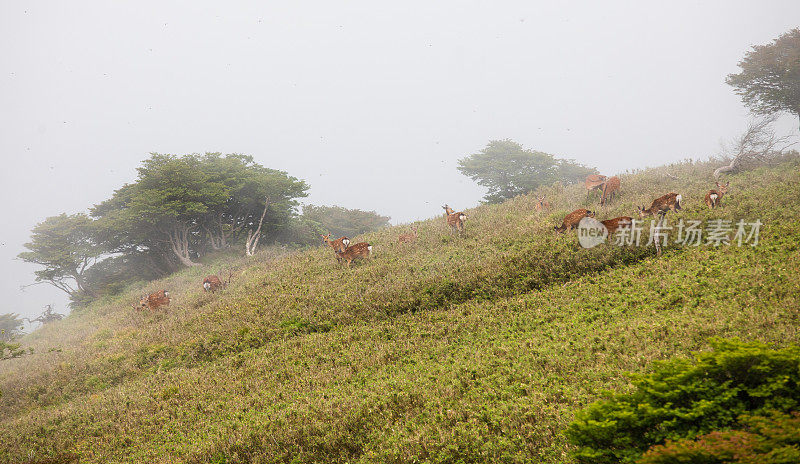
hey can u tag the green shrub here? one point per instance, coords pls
(767, 440)
(685, 399)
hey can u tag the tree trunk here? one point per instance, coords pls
(253, 237)
(179, 241)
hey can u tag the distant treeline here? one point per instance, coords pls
(179, 209)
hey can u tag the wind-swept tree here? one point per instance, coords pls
(258, 195)
(180, 206)
(164, 204)
(66, 247)
(507, 169)
(769, 81)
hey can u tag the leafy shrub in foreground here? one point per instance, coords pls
(767, 440)
(685, 399)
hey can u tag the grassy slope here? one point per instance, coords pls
(476, 349)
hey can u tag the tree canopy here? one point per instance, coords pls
(769, 81)
(66, 246)
(508, 169)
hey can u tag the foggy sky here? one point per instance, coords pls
(330, 90)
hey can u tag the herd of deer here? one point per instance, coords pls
(609, 187)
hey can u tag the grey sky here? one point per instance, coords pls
(403, 89)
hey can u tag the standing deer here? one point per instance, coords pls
(154, 300)
(358, 251)
(338, 245)
(610, 188)
(454, 219)
(542, 204)
(661, 205)
(572, 219)
(408, 238)
(714, 197)
(594, 182)
(612, 225)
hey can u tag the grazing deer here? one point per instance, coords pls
(154, 300)
(572, 219)
(454, 219)
(358, 251)
(661, 205)
(542, 204)
(408, 238)
(612, 225)
(213, 283)
(610, 188)
(594, 182)
(714, 197)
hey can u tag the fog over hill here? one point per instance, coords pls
(402, 90)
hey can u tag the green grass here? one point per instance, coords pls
(474, 349)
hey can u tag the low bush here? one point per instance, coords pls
(683, 399)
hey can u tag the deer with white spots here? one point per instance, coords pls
(714, 197)
(454, 219)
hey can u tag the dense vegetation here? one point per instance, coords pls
(683, 399)
(451, 349)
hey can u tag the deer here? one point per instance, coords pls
(408, 238)
(338, 245)
(612, 225)
(154, 300)
(542, 204)
(594, 182)
(714, 197)
(454, 219)
(572, 219)
(610, 188)
(358, 251)
(661, 205)
(213, 283)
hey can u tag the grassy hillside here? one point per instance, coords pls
(473, 349)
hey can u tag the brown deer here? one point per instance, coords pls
(358, 251)
(572, 219)
(408, 238)
(612, 225)
(594, 182)
(542, 204)
(213, 283)
(154, 300)
(454, 219)
(661, 205)
(714, 197)
(610, 188)
(338, 245)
